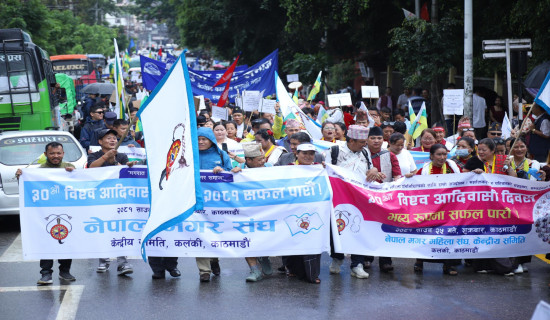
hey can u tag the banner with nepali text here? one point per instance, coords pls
(446, 216)
(101, 212)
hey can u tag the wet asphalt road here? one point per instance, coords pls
(399, 295)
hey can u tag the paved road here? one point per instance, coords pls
(400, 295)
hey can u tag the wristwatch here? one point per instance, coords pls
(533, 131)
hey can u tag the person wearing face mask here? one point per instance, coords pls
(465, 149)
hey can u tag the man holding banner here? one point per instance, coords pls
(354, 156)
(54, 159)
(108, 156)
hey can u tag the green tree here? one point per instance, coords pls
(424, 52)
(227, 27)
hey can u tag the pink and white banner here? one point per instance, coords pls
(447, 216)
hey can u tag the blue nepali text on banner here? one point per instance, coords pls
(102, 212)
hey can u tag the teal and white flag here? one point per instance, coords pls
(170, 128)
(543, 97)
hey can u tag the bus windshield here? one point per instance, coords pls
(17, 80)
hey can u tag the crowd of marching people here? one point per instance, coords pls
(372, 140)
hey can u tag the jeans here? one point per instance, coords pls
(47, 265)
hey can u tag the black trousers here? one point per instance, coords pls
(160, 264)
(381, 260)
(47, 265)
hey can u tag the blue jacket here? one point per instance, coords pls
(214, 156)
(87, 133)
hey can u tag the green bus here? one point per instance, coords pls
(27, 84)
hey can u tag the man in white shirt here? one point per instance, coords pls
(479, 113)
(352, 156)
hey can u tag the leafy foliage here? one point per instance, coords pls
(425, 50)
(342, 74)
(306, 65)
(58, 31)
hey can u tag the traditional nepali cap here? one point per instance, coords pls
(305, 147)
(358, 132)
(252, 149)
(361, 115)
(375, 131)
(495, 127)
(292, 123)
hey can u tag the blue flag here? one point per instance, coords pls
(152, 71)
(259, 77)
(131, 45)
(170, 60)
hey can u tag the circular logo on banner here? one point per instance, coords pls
(541, 217)
(348, 217)
(341, 224)
(151, 68)
(59, 232)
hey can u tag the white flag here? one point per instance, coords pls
(506, 127)
(170, 128)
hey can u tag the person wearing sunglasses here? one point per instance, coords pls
(93, 123)
(495, 131)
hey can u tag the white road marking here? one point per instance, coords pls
(69, 304)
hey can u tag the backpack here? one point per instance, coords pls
(335, 150)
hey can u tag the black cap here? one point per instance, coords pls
(201, 120)
(104, 132)
(375, 131)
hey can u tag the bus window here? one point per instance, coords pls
(18, 81)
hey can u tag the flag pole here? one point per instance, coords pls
(132, 122)
(518, 135)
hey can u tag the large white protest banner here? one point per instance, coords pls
(170, 129)
(448, 216)
(101, 212)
